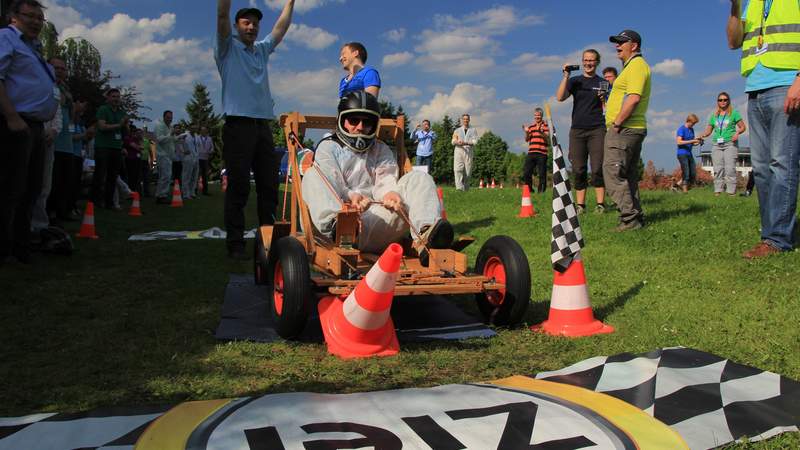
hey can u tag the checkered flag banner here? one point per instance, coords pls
(709, 400)
(566, 238)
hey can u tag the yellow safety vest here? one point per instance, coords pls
(781, 34)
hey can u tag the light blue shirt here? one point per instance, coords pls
(245, 81)
(425, 142)
(763, 77)
(28, 79)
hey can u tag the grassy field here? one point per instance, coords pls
(129, 323)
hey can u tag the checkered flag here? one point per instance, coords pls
(566, 238)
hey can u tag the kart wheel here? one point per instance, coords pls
(291, 287)
(260, 261)
(503, 260)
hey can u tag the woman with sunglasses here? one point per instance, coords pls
(726, 125)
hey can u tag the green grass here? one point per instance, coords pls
(127, 323)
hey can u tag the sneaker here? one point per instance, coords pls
(580, 208)
(629, 226)
(746, 194)
(761, 250)
(600, 208)
(439, 235)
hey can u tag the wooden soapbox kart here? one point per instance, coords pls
(301, 265)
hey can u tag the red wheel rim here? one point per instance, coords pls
(277, 289)
(494, 269)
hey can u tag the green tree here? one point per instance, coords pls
(443, 150)
(489, 159)
(49, 38)
(200, 109)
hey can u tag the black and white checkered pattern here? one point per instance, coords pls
(710, 401)
(566, 237)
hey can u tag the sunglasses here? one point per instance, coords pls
(723, 100)
(355, 121)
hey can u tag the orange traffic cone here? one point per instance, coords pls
(360, 326)
(526, 210)
(224, 183)
(480, 185)
(87, 226)
(501, 185)
(441, 202)
(177, 200)
(570, 311)
(493, 185)
(136, 207)
(199, 184)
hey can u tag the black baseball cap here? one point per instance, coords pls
(248, 12)
(626, 36)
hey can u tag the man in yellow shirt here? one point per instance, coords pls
(627, 128)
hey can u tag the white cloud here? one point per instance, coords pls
(670, 68)
(399, 93)
(63, 16)
(535, 64)
(397, 59)
(310, 37)
(315, 91)
(300, 6)
(462, 45)
(395, 35)
(721, 77)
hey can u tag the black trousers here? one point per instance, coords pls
(21, 172)
(205, 171)
(538, 162)
(107, 166)
(134, 169)
(177, 172)
(248, 146)
(67, 169)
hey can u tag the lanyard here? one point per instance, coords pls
(766, 7)
(720, 122)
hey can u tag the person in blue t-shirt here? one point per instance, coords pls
(360, 77)
(424, 139)
(685, 140)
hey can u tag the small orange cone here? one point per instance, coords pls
(501, 185)
(177, 200)
(87, 226)
(570, 311)
(441, 202)
(199, 184)
(480, 185)
(493, 185)
(526, 210)
(136, 207)
(360, 326)
(224, 183)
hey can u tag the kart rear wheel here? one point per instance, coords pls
(290, 281)
(260, 261)
(502, 259)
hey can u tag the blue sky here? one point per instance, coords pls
(496, 61)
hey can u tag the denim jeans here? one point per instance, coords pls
(425, 161)
(775, 153)
(688, 170)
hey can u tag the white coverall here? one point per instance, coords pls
(372, 174)
(191, 165)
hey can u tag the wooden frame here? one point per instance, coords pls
(336, 264)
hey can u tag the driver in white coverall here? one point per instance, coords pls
(362, 169)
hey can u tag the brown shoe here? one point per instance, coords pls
(761, 250)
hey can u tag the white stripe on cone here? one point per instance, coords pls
(526, 201)
(88, 220)
(570, 297)
(380, 281)
(363, 318)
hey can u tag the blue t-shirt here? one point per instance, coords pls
(364, 78)
(687, 134)
(77, 144)
(425, 142)
(245, 80)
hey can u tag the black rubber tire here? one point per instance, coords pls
(511, 309)
(260, 261)
(289, 257)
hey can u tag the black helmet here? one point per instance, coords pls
(363, 104)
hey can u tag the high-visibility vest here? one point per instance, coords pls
(781, 34)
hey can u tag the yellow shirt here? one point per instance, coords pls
(634, 79)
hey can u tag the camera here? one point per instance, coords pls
(572, 67)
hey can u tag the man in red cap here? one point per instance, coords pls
(248, 107)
